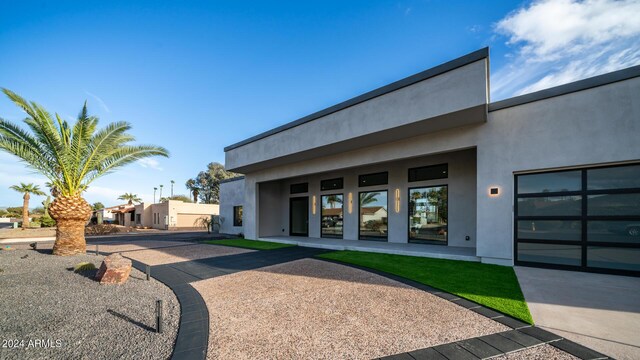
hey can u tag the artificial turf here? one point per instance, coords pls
(493, 286)
(249, 244)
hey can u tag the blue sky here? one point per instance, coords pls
(196, 76)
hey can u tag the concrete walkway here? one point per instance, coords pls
(422, 250)
(599, 311)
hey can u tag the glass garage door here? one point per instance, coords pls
(581, 219)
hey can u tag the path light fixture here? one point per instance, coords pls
(159, 316)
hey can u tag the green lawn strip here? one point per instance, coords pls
(493, 286)
(249, 244)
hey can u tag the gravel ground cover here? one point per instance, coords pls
(112, 246)
(542, 352)
(314, 309)
(49, 312)
(170, 255)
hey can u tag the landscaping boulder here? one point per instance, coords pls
(115, 269)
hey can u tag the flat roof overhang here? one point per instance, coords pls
(450, 95)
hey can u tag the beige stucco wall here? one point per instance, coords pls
(174, 214)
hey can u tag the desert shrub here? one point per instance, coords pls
(84, 266)
(47, 221)
(100, 229)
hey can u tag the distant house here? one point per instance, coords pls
(172, 215)
(373, 213)
(112, 215)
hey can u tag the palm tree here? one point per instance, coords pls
(368, 198)
(172, 182)
(26, 189)
(154, 194)
(130, 198)
(71, 156)
(192, 186)
(161, 192)
(333, 199)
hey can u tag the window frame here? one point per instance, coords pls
(235, 215)
(434, 242)
(386, 183)
(342, 232)
(427, 166)
(380, 239)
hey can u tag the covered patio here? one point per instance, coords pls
(409, 249)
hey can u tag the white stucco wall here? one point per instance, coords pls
(450, 92)
(595, 126)
(231, 194)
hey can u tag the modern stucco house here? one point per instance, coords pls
(546, 179)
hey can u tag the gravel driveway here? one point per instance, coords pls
(79, 318)
(314, 309)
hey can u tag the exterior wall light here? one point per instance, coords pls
(494, 191)
(350, 203)
(313, 205)
(397, 200)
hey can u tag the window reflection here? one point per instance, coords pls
(332, 215)
(428, 214)
(373, 215)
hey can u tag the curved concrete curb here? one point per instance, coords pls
(193, 333)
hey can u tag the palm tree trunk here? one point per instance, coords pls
(71, 214)
(25, 211)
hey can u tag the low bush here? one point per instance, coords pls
(47, 221)
(100, 229)
(84, 266)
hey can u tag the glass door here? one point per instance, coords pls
(299, 216)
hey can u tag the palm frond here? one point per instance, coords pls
(71, 157)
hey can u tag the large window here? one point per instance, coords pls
(373, 215)
(332, 216)
(237, 216)
(586, 219)
(428, 214)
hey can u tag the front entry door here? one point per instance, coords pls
(299, 216)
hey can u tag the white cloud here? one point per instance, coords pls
(559, 41)
(99, 100)
(150, 163)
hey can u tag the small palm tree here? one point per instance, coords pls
(130, 198)
(71, 156)
(26, 189)
(192, 186)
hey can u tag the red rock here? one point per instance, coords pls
(115, 269)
